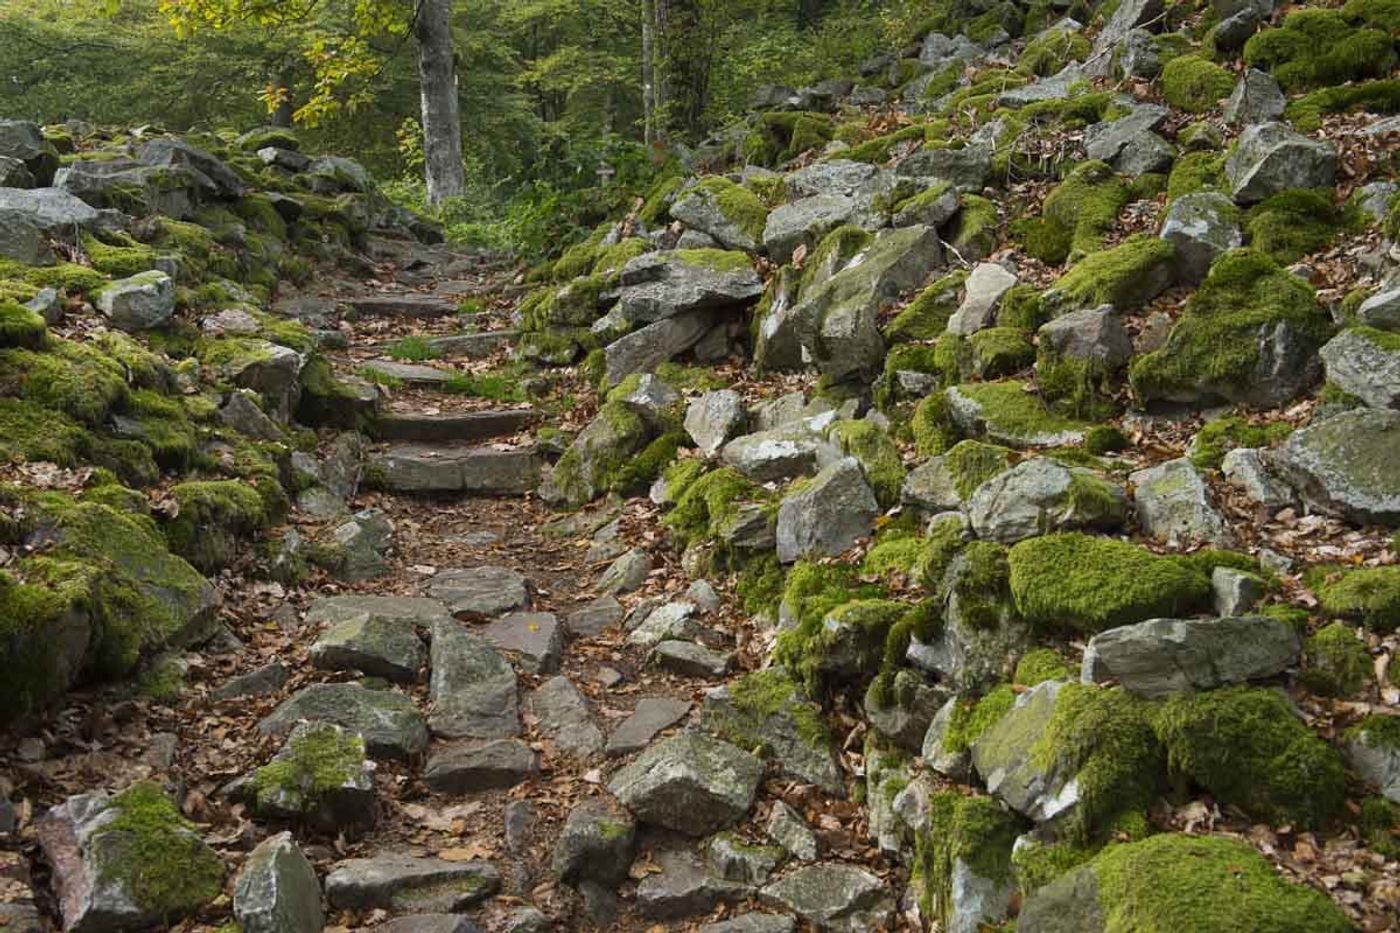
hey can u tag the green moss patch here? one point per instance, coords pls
(976, 831)
(1219, 436)
(1195, 84)
(1291, 224)
(1372, 96)
(709, 505)
(1321, 47)
(1076, 216)
(1125, 277)
(168, 869)
(738, 204)
(1370, 595)
(317, 761)
(212, 517)
(20, 327)
(1088, 584)
(1338, 662)
(926, 317)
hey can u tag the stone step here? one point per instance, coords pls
(410, 305)
(419, 468)
(407, 373)
(473, 346)
(451, 426)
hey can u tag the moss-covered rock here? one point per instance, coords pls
(964, 846)
(1076, 216)
(729, 212)
(1338, 662)
(869, 443)
(1007, 413)
(1370, 595)
(1127, 276)
(1289, 225)
(211, 517)
(1088, 584)
(1250, 335)
(1320, 47)
(1248, 748)
(1195, 84)
(768, 710)
(927, 315)
(320, 777)
(1173, 882)
(1221, 435)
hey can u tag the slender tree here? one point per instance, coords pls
(442, 120)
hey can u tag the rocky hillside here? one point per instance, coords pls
(966, 499)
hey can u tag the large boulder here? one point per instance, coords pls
(826, 516)
(1345, 465)
(600, 449)
(126, 862)
(1271, 157)
(1173, 505)
(25, 143)
(54, 211)
(1201, 225)
(1166, 656)
(833, 896)
(691, 783)
(662, 285)
(780, 453)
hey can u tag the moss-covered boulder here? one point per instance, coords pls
(127, 861)
(768, 710)
(1345, 465)
(1249, 335)
(1370, 595)
(1088, 584)
(1076, 216)
(729, 212)
(1373, 751)
(320, 778)
(601, 449)
(1174, 882)
(211, 519)
(962, 861)
(1126, 276)
(1008, 413)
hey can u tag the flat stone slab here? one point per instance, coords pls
(690, 660)
(535, 639)
(451, 426)
(592, 618)
(648, 719)
(475, 765)
(411, 610)
(419, 885)
(391, 725)
(414, 306)
(564, 716)
(407, 373)
(472, 346)
(416, 468)
(833, 896)
(376, 646)
(691, 783)
(472, 688)
(266, 680)
(480, 591)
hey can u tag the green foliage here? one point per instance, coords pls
(1248, 748)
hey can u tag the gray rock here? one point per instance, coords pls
(656, 286)
(413, 885)
(264, 681)
(976, 901)
(753, 922)
(141, 302)
(1246, 470)
(778, 454)
(596, 843)
(1374, 198)
(534, 639)
(783, 725)
(690, 660)
(971, 417)
(930, 487)
(1202, 225)
(1091, 335)
(297, 785)
(593, 618)
(564, 717)
(1138, 56)
(832, 896)
(930, 210)
(390, 724)
(356, 548)
(700, 209)
(24, 142)
(954, 764)
(1361, 367)
(1165, 656)
(1236, 592)
(1108, 140)
(277, 890)
(1381, 310)
(788, 829)
(1255, 99)
(967, 168)
(983, 291)
(1173, 505)
(804, 221)
(1128, 16)
(648, 719)
(376, 646)
(1146, 152)
(472, 686)
(1373, 759)
(970, 650)
(671, 622)
(651, 399)
(55, 212)
(404, 610)
(415, 468)
(22, 240)
(644, 349)
(1271, 158)
(94, 865)
(212, 175)
(702, 593)
(683, 887)
(828, 515)
(627, 573)
(409, 374)
(1234, 31)
(480, 591)
(691, 783)
(1054, 87)
(714, 418)
(905, 714)
(1344, 466)
(1004, 756)
(473, 765)
(1041, 495)
(735, 860)
(241, 413)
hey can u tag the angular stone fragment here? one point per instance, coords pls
(479, 764)
(1004, 756)
(648, 719)
(1041, 495)
(779, 454)
(413, 885)
(142, 302)
(594, 617)
(714, 418)
(684, 887)
(1271, 157)
(376, 646)
(1345, 465)
(1255, 99)
(833, 896)
(472, 688)
(277, 890)
(596, 843)
(1165, 656)
(480, 591)
(1374, 756)
(320, 778)
(1359, 364)
(661, 285)
(564, 716)
(1173, 505)
(405, 610)
(534, 639)
(984, 288)
(390, 724)
(827, 515)
(643, 350)
(789, 830)
(691, 783)
(1201, 225)
(627, 573)
(690, 660)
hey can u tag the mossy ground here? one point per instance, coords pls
(1220, 435)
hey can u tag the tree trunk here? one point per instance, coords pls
(282, 115)
(442, 121)
(648, 73)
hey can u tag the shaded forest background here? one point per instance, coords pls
(551, 90)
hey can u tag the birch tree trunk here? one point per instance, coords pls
(442, 120)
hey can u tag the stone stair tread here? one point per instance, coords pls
(408, 373)
(424, 468)
(404, 305)
(424, 428)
